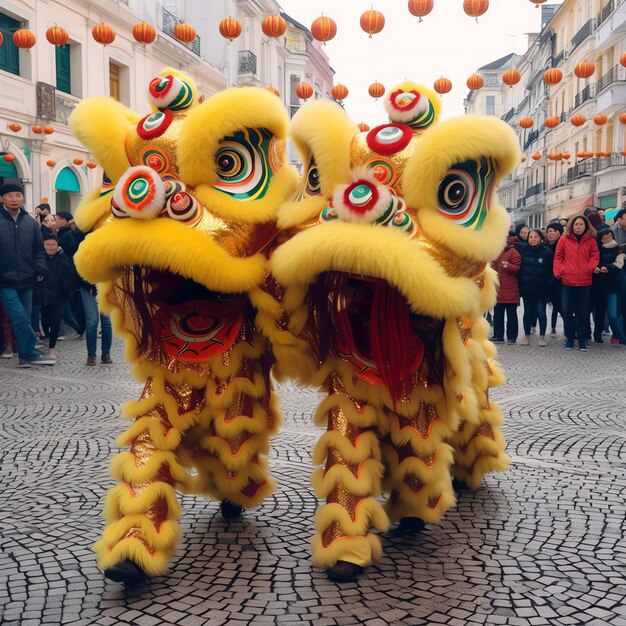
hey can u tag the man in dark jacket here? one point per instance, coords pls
(22, 263)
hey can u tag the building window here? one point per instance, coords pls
(64, 74)
(119, 82)
(9, 52)
(491, 105)
(114, 81)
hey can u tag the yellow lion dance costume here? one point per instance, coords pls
(181, 229)
(383, 276)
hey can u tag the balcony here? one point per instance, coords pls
(586, 94)
(535, 190)
(614, 75)
(247, 62)
(508, 115)
(581, 35)
(583, 168)
(522, 105)
(170, 21)
(610, 23)
(531, 137)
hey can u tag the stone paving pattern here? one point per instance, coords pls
(542, 544)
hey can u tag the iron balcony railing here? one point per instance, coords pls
(531, 137)
(535, 190)
(247, 62)
(508, 115)
(580, 169)
(606, 11)
(170, 21)
(614, 75)
(586, 94)
(522, 105)
(581, 35)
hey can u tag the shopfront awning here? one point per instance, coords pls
(575, 206)
(67, 181)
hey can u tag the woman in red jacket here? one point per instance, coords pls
(575, 258)
(507, 265)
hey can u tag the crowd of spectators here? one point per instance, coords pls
(575, 266)
(41, 293)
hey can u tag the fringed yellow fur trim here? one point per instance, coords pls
(437, 472)
(473, 476)
(256, 389)
(121, 501)
(367, 483)
(163, 438)
(369, 514)
(367, 446)
(480, 446)
(232, 461)
(364, 418)
(411, 504)
(362, 551)
(439, 431)
(124, 467)
(257, 424)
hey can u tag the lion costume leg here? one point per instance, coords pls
(142, 511)
(349, 481)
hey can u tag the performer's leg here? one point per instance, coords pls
(142, 511)
(349, 482)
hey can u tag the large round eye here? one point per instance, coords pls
(455, 190)
(170, 92)
(242, 166)
(139, 193)
(313, 181)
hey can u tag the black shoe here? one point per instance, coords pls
(412, 525)
(496, 340)
(459, 485)
(230, 510)
(344, 572)
(598, 340)
(582, 345)
(126, 572)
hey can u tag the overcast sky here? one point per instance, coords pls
(447, 43)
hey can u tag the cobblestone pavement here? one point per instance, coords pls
(540, 544)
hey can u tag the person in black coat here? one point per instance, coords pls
(554, 231)
(535, 279)
(58, 285)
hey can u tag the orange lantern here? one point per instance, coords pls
(420, 8)
(536, 156)
(523, 159)
(48, 130)
(578, 119)
(103, 34)
(442, 85)
(37, 129)
(144, 33)
(340, 92)
(274, 25)
(77, 161)
(323, 29)
(376, 90)
(274, 91)
(475, 8)
(475, 82)
(566, 155)
(363, 127)
(51, 163)
(600, 119)
(537, 3)
(581, 155)
(622, 118)
(526, 122)
(15, 127)
(230, 28)
(304, 91)
(57, 36)
(511, 77)
(552, 76)
(584, 69)
(372, 22)
(622, 59)
(9, 158)
(24, 38)
(552, 122)
(184, 32)
(91, 164)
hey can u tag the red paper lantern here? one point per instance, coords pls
(475, 8)
(77, 161)
(323, 29)
(37, 129)
(552, 76)
(566, 155)
(526, 122)
(600, 119)
(420, 8)
(376, 90)
(442, 85)
(584, 69)
(9, 158)
(48, 130)
(622, 118)
(103, 34)
(523, 159)
(372, 22)
(274, 91)
(304, 91)
(57, 36)
(51, 163)
(622, 59)
(144, 33)
(339, 92)
(15, 127)
(537, 3)
(91, 164)
(230, 28)
(511, 77)
(1, 38)
(184, 32)
(552, 122)
(536, 156)
(274, 25)
(578, 119)
(475, 82)
(363, 127)
(24, 38)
